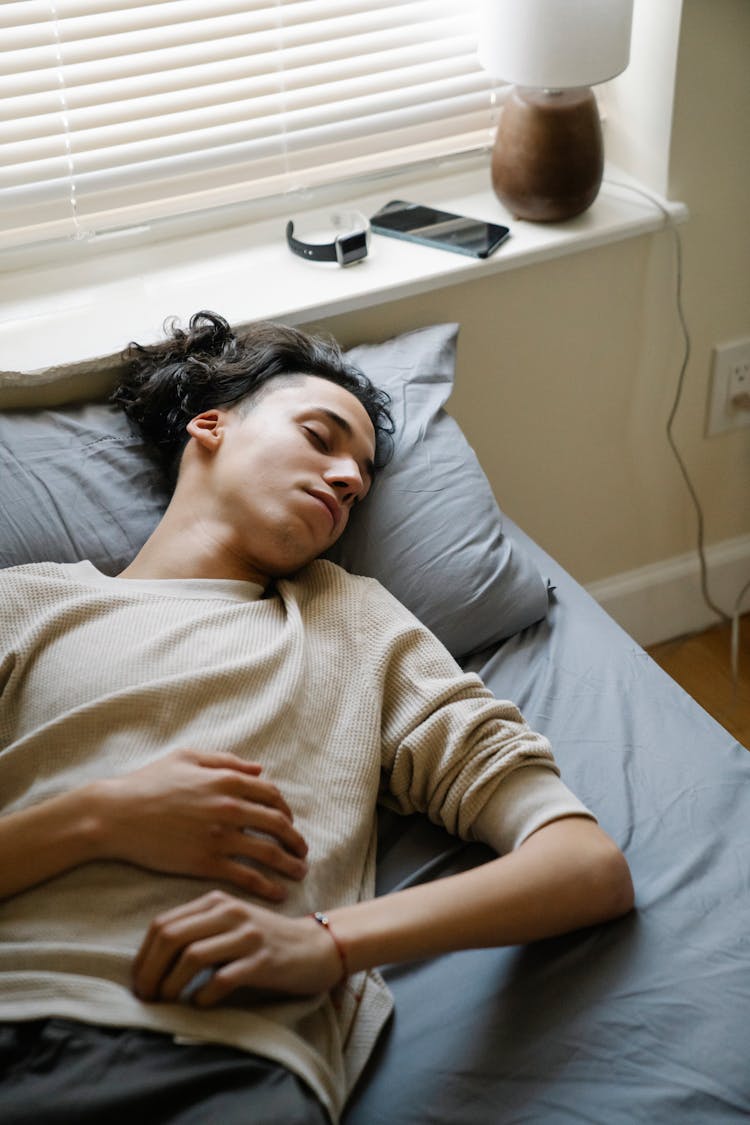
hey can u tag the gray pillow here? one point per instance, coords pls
(430, 530)
(77, 482)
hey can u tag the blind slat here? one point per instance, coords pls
(113, 112)
(368, 119)
(166, 92)
(197, 193)
(266, 98)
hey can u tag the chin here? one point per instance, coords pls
(292, 552)
(287, 568)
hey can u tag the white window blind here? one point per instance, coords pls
(115, 114)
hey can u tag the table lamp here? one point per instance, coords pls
(548, 158)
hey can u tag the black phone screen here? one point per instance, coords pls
(418, 223)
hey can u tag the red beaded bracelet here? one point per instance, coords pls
(324, 920)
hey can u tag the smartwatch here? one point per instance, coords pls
(346, 247)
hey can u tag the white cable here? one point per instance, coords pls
(735, 642)
(734, 618)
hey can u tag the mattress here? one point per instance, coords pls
(646, 1019)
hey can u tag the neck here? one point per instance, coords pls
(185, 545)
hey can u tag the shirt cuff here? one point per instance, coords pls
(530, 797)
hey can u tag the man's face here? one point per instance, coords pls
(286, 473)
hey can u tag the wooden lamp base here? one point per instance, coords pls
(548, 158)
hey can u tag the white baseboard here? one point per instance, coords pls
(655, 603)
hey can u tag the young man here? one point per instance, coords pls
(190, 759)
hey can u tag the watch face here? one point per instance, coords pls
(351, 247)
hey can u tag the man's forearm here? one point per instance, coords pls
(186, 813)
(567, 875)
(46, 839)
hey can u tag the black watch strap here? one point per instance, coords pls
(345, 248)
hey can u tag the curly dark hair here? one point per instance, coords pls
(166, 384)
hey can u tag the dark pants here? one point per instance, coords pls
(59, 1072)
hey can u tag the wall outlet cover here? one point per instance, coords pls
(729, 402)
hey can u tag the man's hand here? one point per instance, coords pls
(205, 815)
(245, 946)
(566, 875)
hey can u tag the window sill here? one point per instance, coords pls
(63, 313)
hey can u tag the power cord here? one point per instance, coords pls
(735, 641)
(734, 617)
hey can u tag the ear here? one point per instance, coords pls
(207, 429)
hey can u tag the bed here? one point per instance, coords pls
(646, 1019)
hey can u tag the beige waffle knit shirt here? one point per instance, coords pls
(330, 684)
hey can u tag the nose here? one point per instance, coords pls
(344, 476)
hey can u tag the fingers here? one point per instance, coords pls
(180, 944)
(241, 851)
(231, 821)
(255, 790)
(166, 937)
(225, 980)
(254, 816)
(222, 759)
(249, 879)
(245, 800)
(258, 819)
(271, 854)
(240, 777)
(201, 955)
(203, 951)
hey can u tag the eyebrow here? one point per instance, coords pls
(346, 428)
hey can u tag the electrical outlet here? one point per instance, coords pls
(729, 405)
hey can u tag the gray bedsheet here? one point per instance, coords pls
(643, 1020)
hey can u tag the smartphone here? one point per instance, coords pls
(417, 223)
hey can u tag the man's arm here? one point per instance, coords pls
(566, 875)
(187, 813)
(44, 840)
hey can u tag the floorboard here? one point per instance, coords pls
(701, 663)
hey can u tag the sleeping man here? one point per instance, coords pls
(191, 755)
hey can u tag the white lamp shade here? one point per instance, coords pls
(555, 44)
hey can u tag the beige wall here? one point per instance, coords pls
(567, 369)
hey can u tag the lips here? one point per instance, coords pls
(330, 502)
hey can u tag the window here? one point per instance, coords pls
(115, 114)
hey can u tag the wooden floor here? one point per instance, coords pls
(702, 665)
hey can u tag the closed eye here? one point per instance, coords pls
(317, 439)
